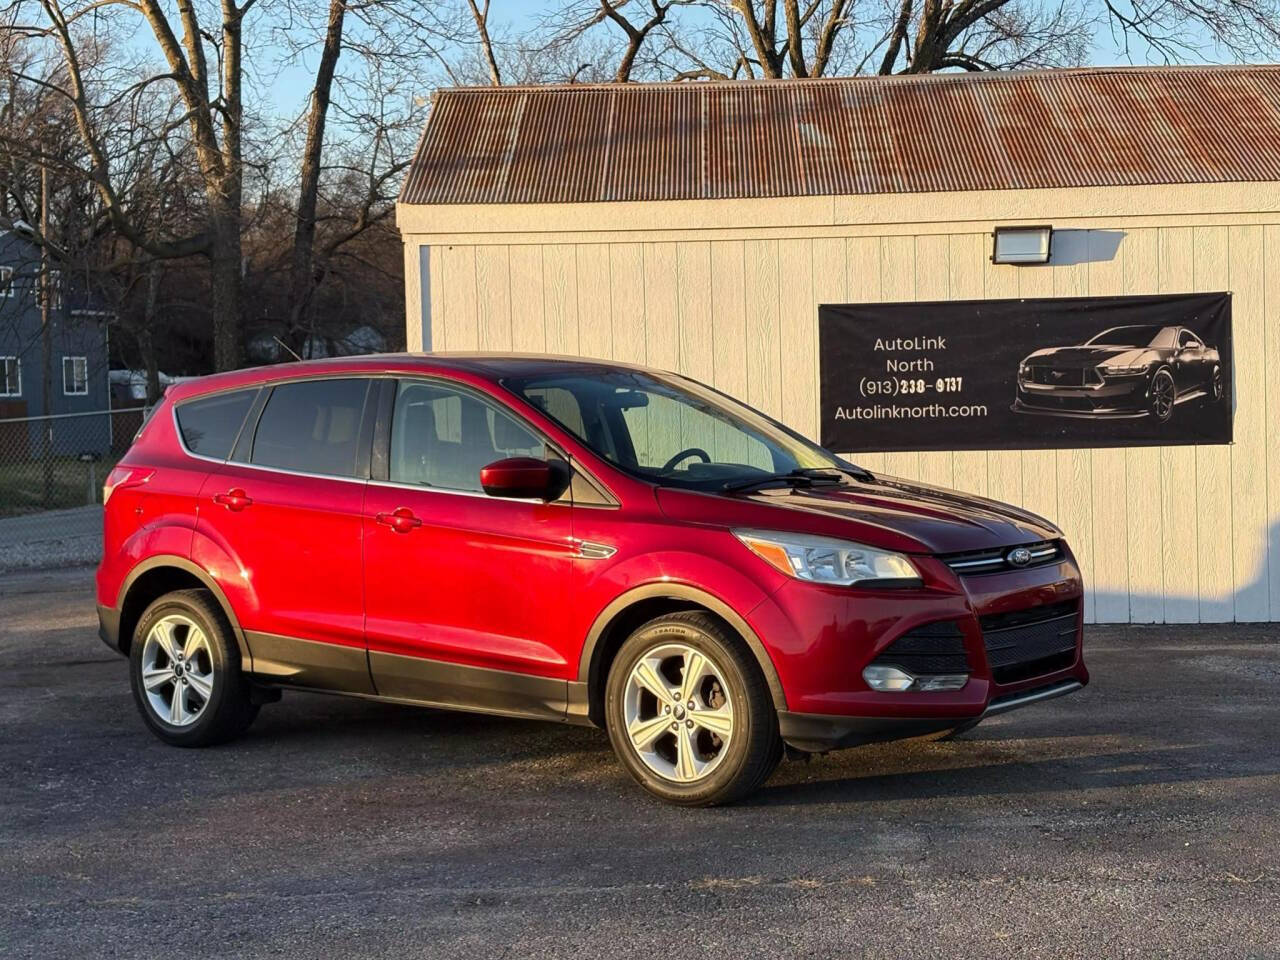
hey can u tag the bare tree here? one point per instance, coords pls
(302, 282)
(780, 39)
(480, 14)
(377, 123)
(213, 122)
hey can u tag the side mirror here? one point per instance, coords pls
(524, 478)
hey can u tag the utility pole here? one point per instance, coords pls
(46, 333)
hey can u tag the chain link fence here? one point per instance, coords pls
(51, 474)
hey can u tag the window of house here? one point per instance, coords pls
(75, 376)
(55, 290)
(11, 382)
(6, 282)
(312, 426)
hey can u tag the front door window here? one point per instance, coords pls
(442, 436)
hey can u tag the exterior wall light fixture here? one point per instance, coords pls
(1021, 245)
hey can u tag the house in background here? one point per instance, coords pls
(77, 363)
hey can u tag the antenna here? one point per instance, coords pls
(287, 347)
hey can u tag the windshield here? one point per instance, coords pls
(670, 430)
(1146, 335)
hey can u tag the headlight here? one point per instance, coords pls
(825, 560)
(1024, 368)
(1122, 369)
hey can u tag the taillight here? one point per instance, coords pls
(123, 476)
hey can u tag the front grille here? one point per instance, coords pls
(996, 560)
(1063, 376)
(934, 648)
(1031, 642)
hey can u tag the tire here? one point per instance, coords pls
(1164, 394)
(183, 642)
(692, 764)
(1216, 387)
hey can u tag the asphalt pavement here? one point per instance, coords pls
(1138, 818)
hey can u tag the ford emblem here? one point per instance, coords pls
(1018, 557)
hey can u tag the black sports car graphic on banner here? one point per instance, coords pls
(1019, 374)
(1133, 371)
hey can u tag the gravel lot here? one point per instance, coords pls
(1139, 818)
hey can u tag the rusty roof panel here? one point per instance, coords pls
(859, 135)
(655, 147)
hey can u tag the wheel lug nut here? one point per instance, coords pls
(691, 706)
(666, 709)
(687, 723)
(675, 726)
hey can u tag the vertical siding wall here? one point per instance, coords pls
(1176, 534)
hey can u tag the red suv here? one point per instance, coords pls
(568, 540)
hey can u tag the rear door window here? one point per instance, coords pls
(209, 425)
(312, 426)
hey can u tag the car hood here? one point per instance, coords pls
(887, 512)
(1083, 356)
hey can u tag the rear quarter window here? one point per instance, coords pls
(209, 425)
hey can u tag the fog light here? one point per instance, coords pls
(889, 679)
(943, 681)
(893, 680)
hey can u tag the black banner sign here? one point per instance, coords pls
(1019, 374)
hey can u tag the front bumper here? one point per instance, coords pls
(1117, 397)
(1020, 634)
(818, 733)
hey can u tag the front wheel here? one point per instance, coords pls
(1164, 394)
(184, 667)
(689, 713)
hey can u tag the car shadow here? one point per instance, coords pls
(420, 740)
(910, 770)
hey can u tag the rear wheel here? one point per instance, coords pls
(185, 672)
(689, 713)
(1215, 385)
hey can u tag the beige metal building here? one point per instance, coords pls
(698, 227)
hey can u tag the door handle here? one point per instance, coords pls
(233, 499)
(401, 520)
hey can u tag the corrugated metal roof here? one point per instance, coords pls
(859, 135)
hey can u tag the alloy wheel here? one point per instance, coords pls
(1162, 396)
(177, 670)
(678, 714)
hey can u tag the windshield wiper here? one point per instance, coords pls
(804, 477)
(858, 473)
